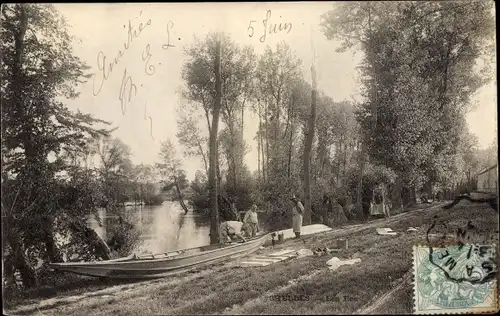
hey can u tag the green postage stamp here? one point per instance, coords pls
(454, 280)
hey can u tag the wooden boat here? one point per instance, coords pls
(164, 264)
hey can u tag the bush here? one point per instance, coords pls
(123, 237)
(154, 200)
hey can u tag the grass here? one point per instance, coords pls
(65, 284)
(401, 303)
(226, 289)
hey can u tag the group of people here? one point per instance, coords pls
(237, 230)
(234, 230)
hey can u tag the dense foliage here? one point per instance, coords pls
(51, 186)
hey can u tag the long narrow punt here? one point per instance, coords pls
(160, 265)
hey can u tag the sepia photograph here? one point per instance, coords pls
(279, 158)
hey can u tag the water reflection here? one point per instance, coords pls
(163, 228)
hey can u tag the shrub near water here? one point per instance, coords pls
(123, 237)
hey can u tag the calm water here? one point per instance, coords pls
(163, 228)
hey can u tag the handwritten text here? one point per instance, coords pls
(129, 87)
(269, 27)
(106, 67)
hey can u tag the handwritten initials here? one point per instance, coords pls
(128, 88)
(105, 70)
(126, 84)
(146, 56)
(170, 25)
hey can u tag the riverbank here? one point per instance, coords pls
(380, 283)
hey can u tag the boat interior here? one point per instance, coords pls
(183, 252)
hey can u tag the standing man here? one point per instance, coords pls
(251, 221)
(298, 213)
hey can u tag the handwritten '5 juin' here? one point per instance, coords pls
(269, 27)
(128, 88)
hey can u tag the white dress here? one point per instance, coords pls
(298, 211)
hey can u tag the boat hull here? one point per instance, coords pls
(161, 265)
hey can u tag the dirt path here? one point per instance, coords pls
(351, 229)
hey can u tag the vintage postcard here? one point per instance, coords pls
(288, 158)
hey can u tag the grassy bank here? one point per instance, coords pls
(385, 264)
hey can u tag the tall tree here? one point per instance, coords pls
(419, 74)
(237, 67)
(170, 170)
(191, 137)
(276, 74)
(212, 180)
(308, 147)
(38, 66)
(115, 170)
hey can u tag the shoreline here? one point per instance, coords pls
(250, 290)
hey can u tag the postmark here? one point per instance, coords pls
(455, 279)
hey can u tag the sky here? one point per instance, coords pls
(153, 60)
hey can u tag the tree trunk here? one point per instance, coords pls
(359, 197)
(261, 143)
(428, 190)
(413, 195)
(258, 157)
(181, 198)
(207, 116)
(359, 187)
(276, 150)
(219, 176)
(9, 270)
(339, 217)
(290, 141)
(205, 163)
(21, 263)
(51, 248)
(397, 202)
(214, 218)
(101, 247)
(267, 142)
(242, 120)
(337, 160)
(290, 146)
(53, 252)
(233, 153)
(406, 196)
(263, 157)
(344, 161)
(307, 151)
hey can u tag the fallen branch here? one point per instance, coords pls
(491, 201)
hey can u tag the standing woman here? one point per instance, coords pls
(298, 212)
(251, 221)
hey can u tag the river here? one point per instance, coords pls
(163, 227)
